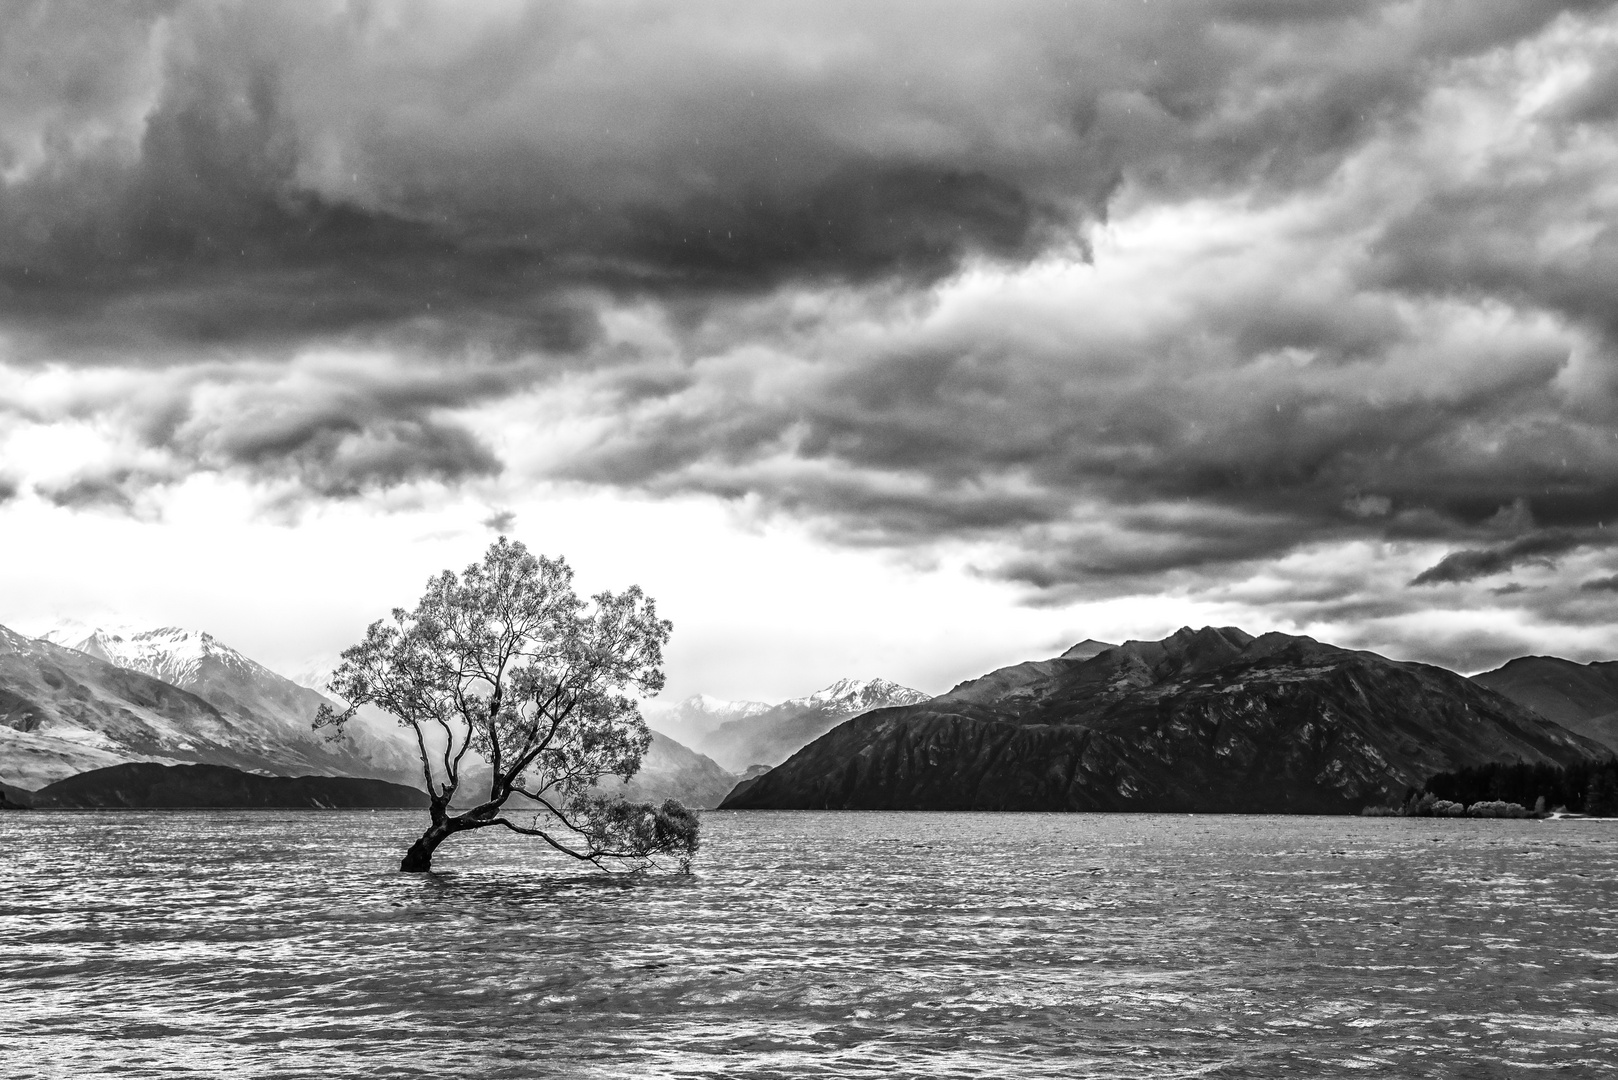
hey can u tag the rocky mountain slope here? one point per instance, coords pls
(746, 733)
(1210, 720)
(273, 709)
(257, 721)
(64, 712)
(1581, 697)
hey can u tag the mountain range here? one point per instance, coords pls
(82, 698)
(1209, 720)
(85, 698)
(1206, 720)
(743, 734)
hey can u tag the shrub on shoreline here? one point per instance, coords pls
(1429, 805)
(1585, 787)
(1507, 789)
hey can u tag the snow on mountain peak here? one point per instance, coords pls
(860, 694)
(844, 695)
(171, 653)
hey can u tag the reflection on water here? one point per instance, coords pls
(812, 944)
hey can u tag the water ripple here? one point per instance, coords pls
(807, 944)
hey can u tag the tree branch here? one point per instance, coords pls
(594, 857)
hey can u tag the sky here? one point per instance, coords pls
(901, 340)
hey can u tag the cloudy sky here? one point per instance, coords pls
(898, 339)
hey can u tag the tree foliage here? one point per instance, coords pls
(505, 663)
(1589, 786)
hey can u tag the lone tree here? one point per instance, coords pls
(506, 662)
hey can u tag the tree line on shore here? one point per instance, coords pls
(1514, 789)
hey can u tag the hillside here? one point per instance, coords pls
(671, 770)
(272, 711)
(146, 785)
(1210, 720)
(1581, 697)
(64, 712)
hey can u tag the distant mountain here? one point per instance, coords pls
(692, 719)
(748, 733)
(1210, 720)
(744, 784)
(271, 715)
(64, 712)
(671, 770)
(14, 798)
(145, 785)
(709, 710)
(1581, 697)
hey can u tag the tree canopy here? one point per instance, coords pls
(506, 665)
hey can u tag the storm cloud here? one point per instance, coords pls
(1468, 564)
(1117, 297)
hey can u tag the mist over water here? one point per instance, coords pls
(812, 944)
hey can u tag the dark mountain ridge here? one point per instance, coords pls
(147, 786)
(1210, 720)
(1581, 697)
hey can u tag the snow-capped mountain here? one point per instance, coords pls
(63, 712)
(269, 714)
(855, 696)
(745, 733)
(169, 653)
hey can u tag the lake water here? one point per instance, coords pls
(812, 944)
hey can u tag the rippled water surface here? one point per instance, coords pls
(812, 944)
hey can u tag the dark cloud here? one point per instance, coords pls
(1465, 565)
(342, 461)
(341, 432)
(115, 490)
(200, 174)
(500, 521)
(1601, 584)
(282, 174)
(1127, 296)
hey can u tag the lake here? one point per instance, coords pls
(143, 944)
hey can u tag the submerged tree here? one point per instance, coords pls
(506, 662)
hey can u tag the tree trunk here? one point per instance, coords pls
(419, 859)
